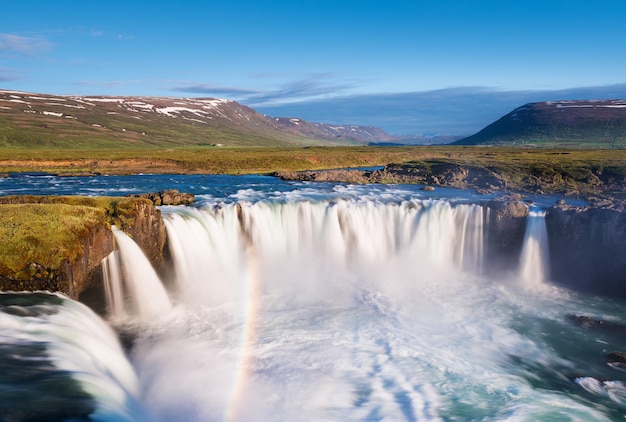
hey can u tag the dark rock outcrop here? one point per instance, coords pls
(506, 223)
(344, 176)
(86, 272)
(167, 197)
(145, 226)
(464, 177)
(589, 322)
(616, 360)
(588, 248)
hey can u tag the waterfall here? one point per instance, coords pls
(301, 301)
(318, 239)
(533, 267)
(129, 273)
(471, 244)
(113, 285)
(68, 361)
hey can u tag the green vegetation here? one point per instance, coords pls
(39, 232)
(223, 160)
(575, 172)
(567, 124)
(517, 162)
(75, 124)
(37, 237)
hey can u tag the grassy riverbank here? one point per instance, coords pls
(39, 233)
(231, 160)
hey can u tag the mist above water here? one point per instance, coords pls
(358, 310)
(295, 301)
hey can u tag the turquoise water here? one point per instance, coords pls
(296, 301)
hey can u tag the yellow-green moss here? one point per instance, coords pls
(38, 233)
(38, 237)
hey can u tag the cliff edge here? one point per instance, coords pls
(57, 243)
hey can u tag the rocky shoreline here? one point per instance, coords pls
(600, 186)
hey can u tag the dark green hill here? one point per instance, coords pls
(559, 124)
(43, 121)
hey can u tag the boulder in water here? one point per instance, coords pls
(587, 321)
(167, 197)
(616, 360)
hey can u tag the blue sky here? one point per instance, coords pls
(307, 56)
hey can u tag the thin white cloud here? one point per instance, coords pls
(210, 89)
(312, 87)
(451, 111)
(10, 43)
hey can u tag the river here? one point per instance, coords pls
(311, 302)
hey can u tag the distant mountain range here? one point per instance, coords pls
(458, 111)
(566, 124)
(41, 120)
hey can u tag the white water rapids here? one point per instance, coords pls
(313, 302)
(534, 258)
(364, 308)
(353, 310)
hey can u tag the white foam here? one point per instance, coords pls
(146, 292)
(534, 271)
(81, 344)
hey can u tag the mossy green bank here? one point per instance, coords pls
(40, 233)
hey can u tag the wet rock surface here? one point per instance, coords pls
(616, 360)
(505, 227)
(587, 247)
(589, 322)
(600, 183)
(167, 197)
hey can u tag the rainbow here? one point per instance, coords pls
(251, 310)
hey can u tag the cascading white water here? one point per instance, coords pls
(112, 274)
(322, 239)
(70, 362)
(147, 296)
(319, 302)
(534, 258)
(471, 250)
(336, 260)
(344, 310)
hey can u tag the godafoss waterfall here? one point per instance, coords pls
(301, 302)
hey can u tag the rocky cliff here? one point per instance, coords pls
(505, 226)
(587, 245)
(57, 243)
(588, 248)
